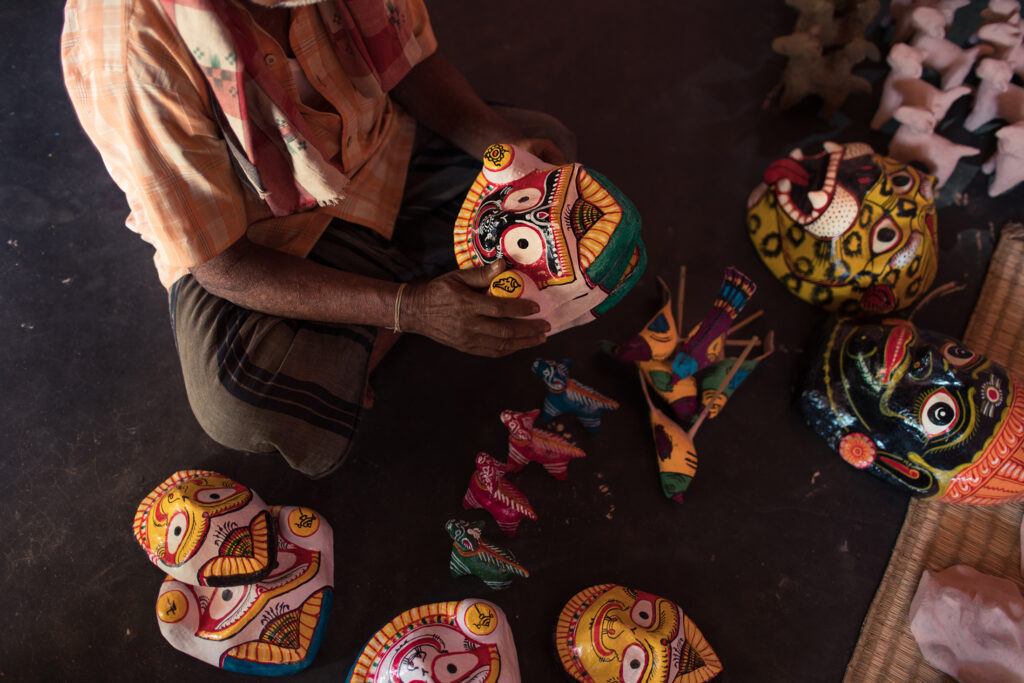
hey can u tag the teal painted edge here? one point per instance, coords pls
(238, 666)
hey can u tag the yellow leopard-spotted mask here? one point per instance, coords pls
(847, 229)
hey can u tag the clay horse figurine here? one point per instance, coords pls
(705, 344)
(489, 490)
(569, 396)
(527, 443)
(471, 554)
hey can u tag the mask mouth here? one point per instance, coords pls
(809, 192)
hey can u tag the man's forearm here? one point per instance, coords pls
(439, 97)
(269, 281)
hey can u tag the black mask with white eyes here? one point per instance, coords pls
(924, 404)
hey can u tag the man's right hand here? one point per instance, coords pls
(455, 310)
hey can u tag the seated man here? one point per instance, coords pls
(269, 151)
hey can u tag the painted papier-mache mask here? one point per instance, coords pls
(447, 642)
(610, 633)
(570, 238)
(206, 530)
(919, 410)
(848, 230)
(272, 627)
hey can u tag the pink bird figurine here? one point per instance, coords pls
(527, 443)
(489, 490)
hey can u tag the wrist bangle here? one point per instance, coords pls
(397, 327)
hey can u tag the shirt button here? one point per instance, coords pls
(270, 60)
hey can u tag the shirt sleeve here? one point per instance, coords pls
(422, 31)
(145, 107)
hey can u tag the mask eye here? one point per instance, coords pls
(225, 600)
(523, 199)
(957, 355)
(634, 664)
(884, 236)
(208, 496)
(522, 244)
(902, 182)
(642, 613)
(939, 413)
(177, 529)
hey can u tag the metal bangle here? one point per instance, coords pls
(398, 308)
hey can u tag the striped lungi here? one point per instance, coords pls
(265, 384)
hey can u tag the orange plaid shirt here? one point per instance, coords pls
(146, 106)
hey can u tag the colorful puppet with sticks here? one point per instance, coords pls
(613, 634)
(455, 642)
(272, 627)
(528, 443)
(919, 410)
(566, 395)
(847, 229)
(489, 490)
(571, 239)
(471, 554)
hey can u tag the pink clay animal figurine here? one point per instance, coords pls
(527, 443)
(1004, 40)
(997, 97)
(489, 490)
(1008, 161)
(945, 56)
(916, 140)
(1001, 12)
(901, 12)
(904, 87)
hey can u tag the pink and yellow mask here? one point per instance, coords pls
(272, 627)
(570, 238)
(206, 530)
(446, 642)
(613, 634)
(847, 229)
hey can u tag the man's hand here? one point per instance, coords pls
(452, 310)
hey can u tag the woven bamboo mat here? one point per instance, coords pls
(938, 535)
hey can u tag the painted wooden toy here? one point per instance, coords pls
(613, 634)
(471, 554)
(846, 229)
(1008, 162)
(489, 490)
(527, 443)
(566, 395)
(467, 641)
(919, 410)
(205, 529)
(271, 627)
(714, 393)
(571, 239)
(704, 345)
(677, 455)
